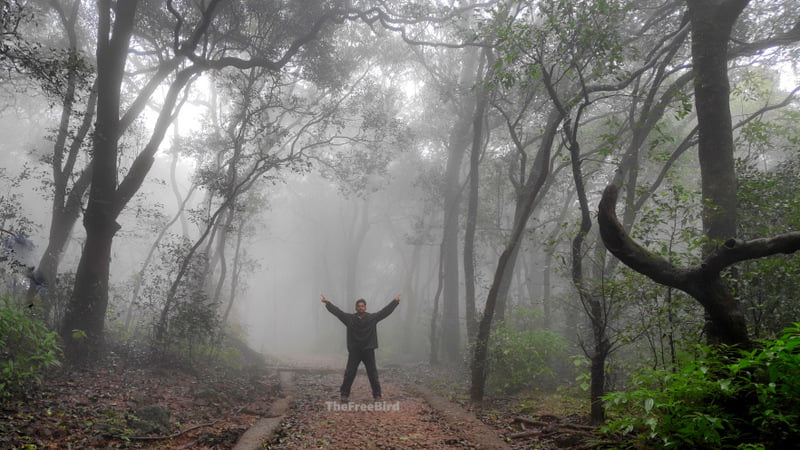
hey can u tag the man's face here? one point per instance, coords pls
(361, 307)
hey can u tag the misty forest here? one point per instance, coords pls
(586, 212)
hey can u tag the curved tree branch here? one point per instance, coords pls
(703, 281)
(633, 255)
(736, 250)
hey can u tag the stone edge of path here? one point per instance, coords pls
(264, 428)
(456, 416)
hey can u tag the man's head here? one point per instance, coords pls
(361, 306)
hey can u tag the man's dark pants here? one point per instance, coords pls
(354, 358)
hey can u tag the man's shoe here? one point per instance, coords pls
(345, 399)
(377, 398)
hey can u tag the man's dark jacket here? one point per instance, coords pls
(362, 333)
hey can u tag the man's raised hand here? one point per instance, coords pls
(397, 299)
(324, 299)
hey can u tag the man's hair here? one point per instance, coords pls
(361, 300)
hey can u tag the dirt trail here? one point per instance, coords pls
(264, 428)
(295, 407)
(405, 418)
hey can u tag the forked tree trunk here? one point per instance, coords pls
(704, 281)
(711, 25)
(82, 328)
(539, 172)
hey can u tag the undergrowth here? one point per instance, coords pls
(727, 399)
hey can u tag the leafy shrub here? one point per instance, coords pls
(195, 329)
(743, 399)
(27, 350)
(520, 359)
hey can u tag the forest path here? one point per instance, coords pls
(133, 404)
(410, 416)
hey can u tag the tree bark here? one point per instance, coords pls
(173, 179)
(711, 24)
(87, 309)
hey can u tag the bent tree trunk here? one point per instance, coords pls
(711, 25)
(703, 281)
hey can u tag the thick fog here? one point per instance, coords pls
(305, 249)
(455, 158)
(308, 239)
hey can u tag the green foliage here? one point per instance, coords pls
(50, 66)
(669, 225)
(78, 335)
(581, 37)
(654, 322)
(768, 205)
(194, 328)
(727, 399)
(768, 200)
(520, 358)
(27, 350)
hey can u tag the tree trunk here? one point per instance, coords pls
(62, 222)
(547, 291)
(222, 240)
(357, 233)
(87, 308)
(472, 202)
(527, 198)
(106, 199)
(505, 281)
(66, 205)
(712, 22)
(711, 25)
(591, 302)
(597, 386)
(434, 333)
(175, 151)
(237, 270)
(539, 173)
(412, 292)
(704, 281)
(457, 146)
